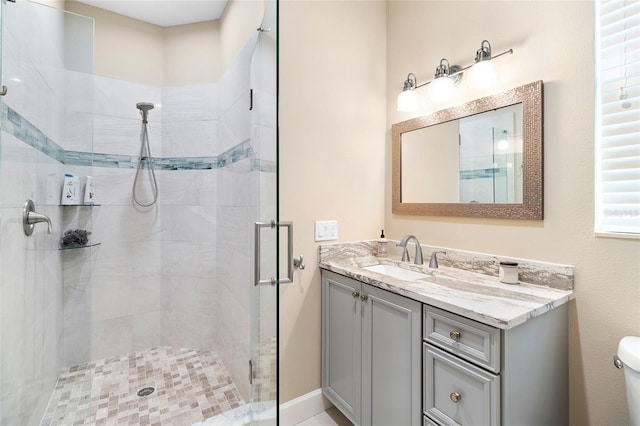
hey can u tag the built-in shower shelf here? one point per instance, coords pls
(79, 205)
(78, 247)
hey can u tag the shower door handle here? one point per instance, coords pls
(257, 258)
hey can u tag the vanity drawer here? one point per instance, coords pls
(457, 392)
(471, 340)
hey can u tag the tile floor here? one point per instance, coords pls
(330, 417)
(190, 387)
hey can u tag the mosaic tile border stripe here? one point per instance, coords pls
(483, 173)
(16, 125)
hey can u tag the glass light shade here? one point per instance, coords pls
(502, 144)
(408, 100)
(483, 74)
(441, 89)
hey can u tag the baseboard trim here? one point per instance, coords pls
(303, 407)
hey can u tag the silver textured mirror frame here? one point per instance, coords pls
(530, 95)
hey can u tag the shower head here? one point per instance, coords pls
(144, 106)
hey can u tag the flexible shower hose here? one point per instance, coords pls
(144, 136)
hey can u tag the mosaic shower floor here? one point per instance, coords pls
(190, 386)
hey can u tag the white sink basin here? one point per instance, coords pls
(396, 272)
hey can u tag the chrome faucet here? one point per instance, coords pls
(405, 252)
(433, 262)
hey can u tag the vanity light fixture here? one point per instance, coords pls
(447, 76)
(482, 73)
(408, 99)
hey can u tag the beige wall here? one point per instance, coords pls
(332, 127)
(240, 19)
(125, 48)
(192, 54)
(552, 41)
(421, 162)
(132, 50)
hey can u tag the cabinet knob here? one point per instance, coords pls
(454, 335)
(364, 297)
(355, 294)
(455, 397)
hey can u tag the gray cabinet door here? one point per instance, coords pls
(341, 339)
(391, 355)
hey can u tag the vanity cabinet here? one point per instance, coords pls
(371, 352)
(391, 360)
(475, 374)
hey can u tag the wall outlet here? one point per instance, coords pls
(326, 230)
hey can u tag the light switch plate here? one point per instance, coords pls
(326, 230)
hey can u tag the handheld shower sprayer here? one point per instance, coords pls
(144, 108)
(145, 155)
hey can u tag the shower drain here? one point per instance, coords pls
(146, 391)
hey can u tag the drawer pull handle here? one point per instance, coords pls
(455, 397)
(364, 297)
(355, 294)
(454, 335)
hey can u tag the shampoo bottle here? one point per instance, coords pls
(382, 245)
(89, 191)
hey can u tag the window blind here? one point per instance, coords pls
(618, 116)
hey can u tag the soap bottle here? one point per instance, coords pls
(382, 245)
(70, 190)
(89, 191)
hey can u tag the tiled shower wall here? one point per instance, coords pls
(113, 291)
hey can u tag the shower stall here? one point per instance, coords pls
(160, 318)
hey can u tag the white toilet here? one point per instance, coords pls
(629, 354)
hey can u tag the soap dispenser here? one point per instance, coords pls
(382, 245)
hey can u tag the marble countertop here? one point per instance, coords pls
(473, 295)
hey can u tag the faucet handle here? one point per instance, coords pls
(433, 262)
(30, 218)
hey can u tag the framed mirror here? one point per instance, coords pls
(479, 159)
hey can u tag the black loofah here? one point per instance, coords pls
(76, 237)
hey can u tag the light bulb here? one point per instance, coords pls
(408, 100)
(441, 89)
(483, 74)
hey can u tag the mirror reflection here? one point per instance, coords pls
(475, 159)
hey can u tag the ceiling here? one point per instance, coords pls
(164, 13)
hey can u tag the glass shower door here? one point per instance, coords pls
(264, 294)
(40, 79)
